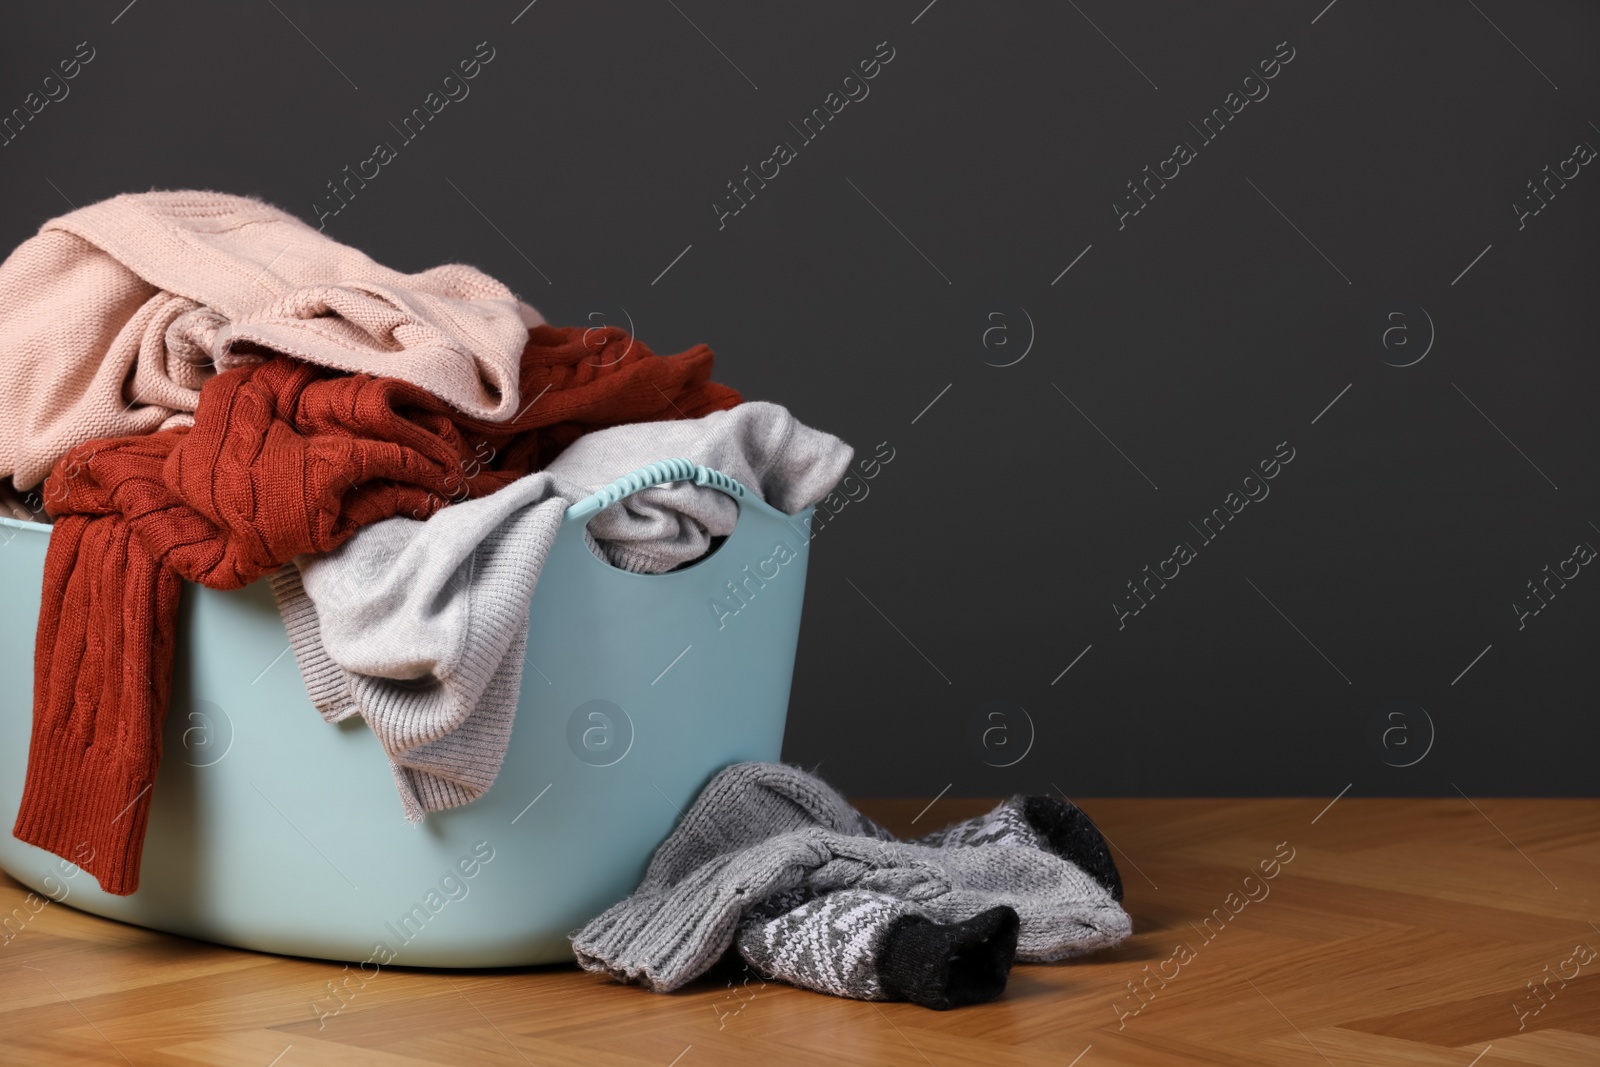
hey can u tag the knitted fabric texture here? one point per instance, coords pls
(1042, 822)
(284, 458)
(112, 317)
(873, 947)
(760, 830)
(420, 627)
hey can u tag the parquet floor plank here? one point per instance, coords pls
(1400, 932)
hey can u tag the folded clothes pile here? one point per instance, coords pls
(208, 389)
(772, 861)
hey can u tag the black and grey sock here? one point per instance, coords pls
(873, 946)
(1043, 822)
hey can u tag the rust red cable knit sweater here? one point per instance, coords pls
(283, 458)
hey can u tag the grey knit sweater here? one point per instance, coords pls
(420, 626)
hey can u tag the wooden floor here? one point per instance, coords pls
(1398, 932)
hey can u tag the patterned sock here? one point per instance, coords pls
(1043, 822)
(873, 946)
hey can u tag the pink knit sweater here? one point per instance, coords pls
(112, 317)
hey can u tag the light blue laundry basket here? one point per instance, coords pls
(272, 830)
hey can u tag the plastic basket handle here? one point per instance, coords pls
(657, 473)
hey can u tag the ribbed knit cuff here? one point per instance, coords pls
(640, 557)
(947, 965)
(325, 680)
(90, 807)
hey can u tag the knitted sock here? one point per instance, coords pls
(872, 946)
(1043, 822)
(759, 830)
(745, 804)
(668, 935)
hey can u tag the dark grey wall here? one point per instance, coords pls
(954, 266)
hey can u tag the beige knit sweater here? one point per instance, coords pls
(113, 316)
